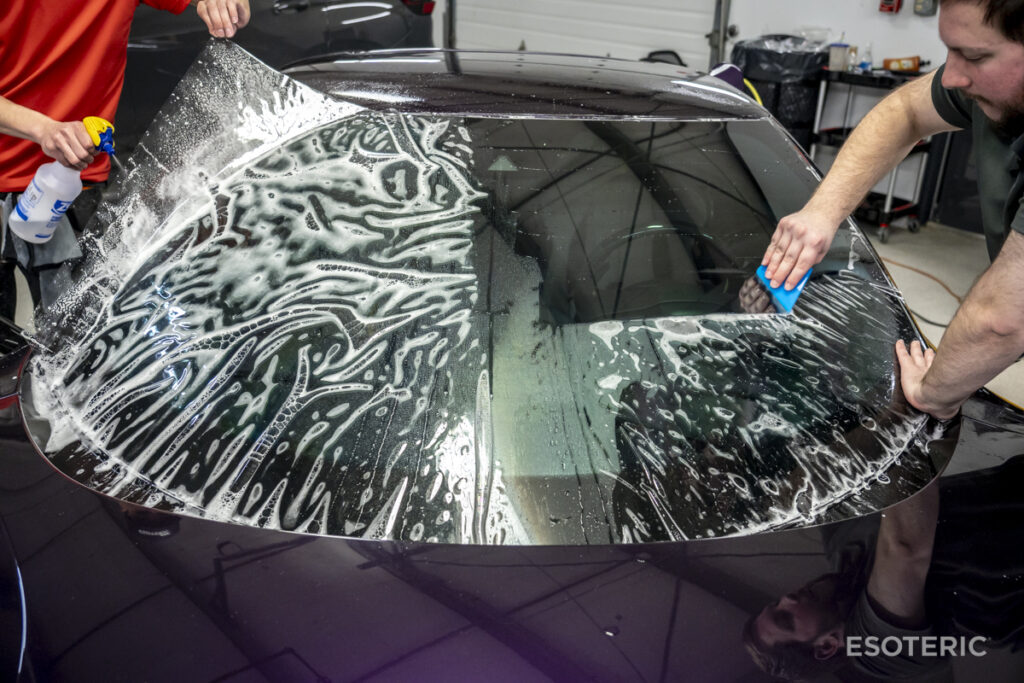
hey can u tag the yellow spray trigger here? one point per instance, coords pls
(102, 133)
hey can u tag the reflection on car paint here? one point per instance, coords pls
(303, 344)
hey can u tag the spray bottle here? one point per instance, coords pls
(54, 187)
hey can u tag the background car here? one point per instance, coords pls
(447, 365)
(161, 46)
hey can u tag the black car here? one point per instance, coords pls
(439, 365)
(280, 32)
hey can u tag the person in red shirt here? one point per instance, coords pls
(61, 61)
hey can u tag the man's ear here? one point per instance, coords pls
(828, 644)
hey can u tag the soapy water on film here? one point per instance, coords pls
(304, 354)
(285, 359)
(786, 428)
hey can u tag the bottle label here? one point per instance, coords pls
(60, 207)
(28, 200)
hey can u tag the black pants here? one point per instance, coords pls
(8, 291)
(79, 214)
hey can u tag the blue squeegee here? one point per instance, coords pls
(783, 299)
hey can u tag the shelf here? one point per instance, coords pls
(871, 210)
(884, 80)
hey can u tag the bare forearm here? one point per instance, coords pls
(66, 141)
(910, 524)
(861, 163)
(21, 122)
(879, 143)
(883, 138)
(985, 336)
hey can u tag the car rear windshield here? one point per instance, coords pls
(464, 330)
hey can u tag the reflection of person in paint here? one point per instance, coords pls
(969, 551)
(980, 88)
(805, 633)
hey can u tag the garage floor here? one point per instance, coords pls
(934, 269)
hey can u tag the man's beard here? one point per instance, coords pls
(1010, 123)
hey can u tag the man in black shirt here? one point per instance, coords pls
(981, 86)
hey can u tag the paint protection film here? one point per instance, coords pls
(309, 316)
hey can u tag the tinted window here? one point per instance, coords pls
(634, 219)
(485, 331)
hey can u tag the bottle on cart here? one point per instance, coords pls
(53, 188)
(865, 60)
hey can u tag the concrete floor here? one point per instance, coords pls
(934, 269)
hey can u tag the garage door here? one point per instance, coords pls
(620, 28)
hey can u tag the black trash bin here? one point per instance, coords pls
(786, 71)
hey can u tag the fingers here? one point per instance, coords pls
(916, 357)
(785, 252)
(240, 13)
(804, 262)
(915, 361)
(910, 374)
(753, 298)
(909, 355)
(223, 17)
(209, 12)
(780, 262)
(800, 241)
(789, 266)
(69, 143)
(914, 364)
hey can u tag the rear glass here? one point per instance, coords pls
(629, 219)
(475, 331)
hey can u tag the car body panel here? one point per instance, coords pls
(122, 582)
(393, 326)
(117, 597)
(482, 83)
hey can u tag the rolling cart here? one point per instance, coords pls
(880, 209)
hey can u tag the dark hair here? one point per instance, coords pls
(792, 661)
(1006, 16)
(796, 660)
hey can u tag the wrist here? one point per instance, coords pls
(37, 127)
(824, 213)
(939, 409)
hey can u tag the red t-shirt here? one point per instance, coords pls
(66, 59)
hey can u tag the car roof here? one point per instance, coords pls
(492, 83)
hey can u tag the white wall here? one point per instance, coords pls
(893, 35)
(438, 23)
(632, 29)
(628, 30)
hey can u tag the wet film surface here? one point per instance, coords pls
(323, 319)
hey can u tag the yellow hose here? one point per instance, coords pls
(753, 91)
